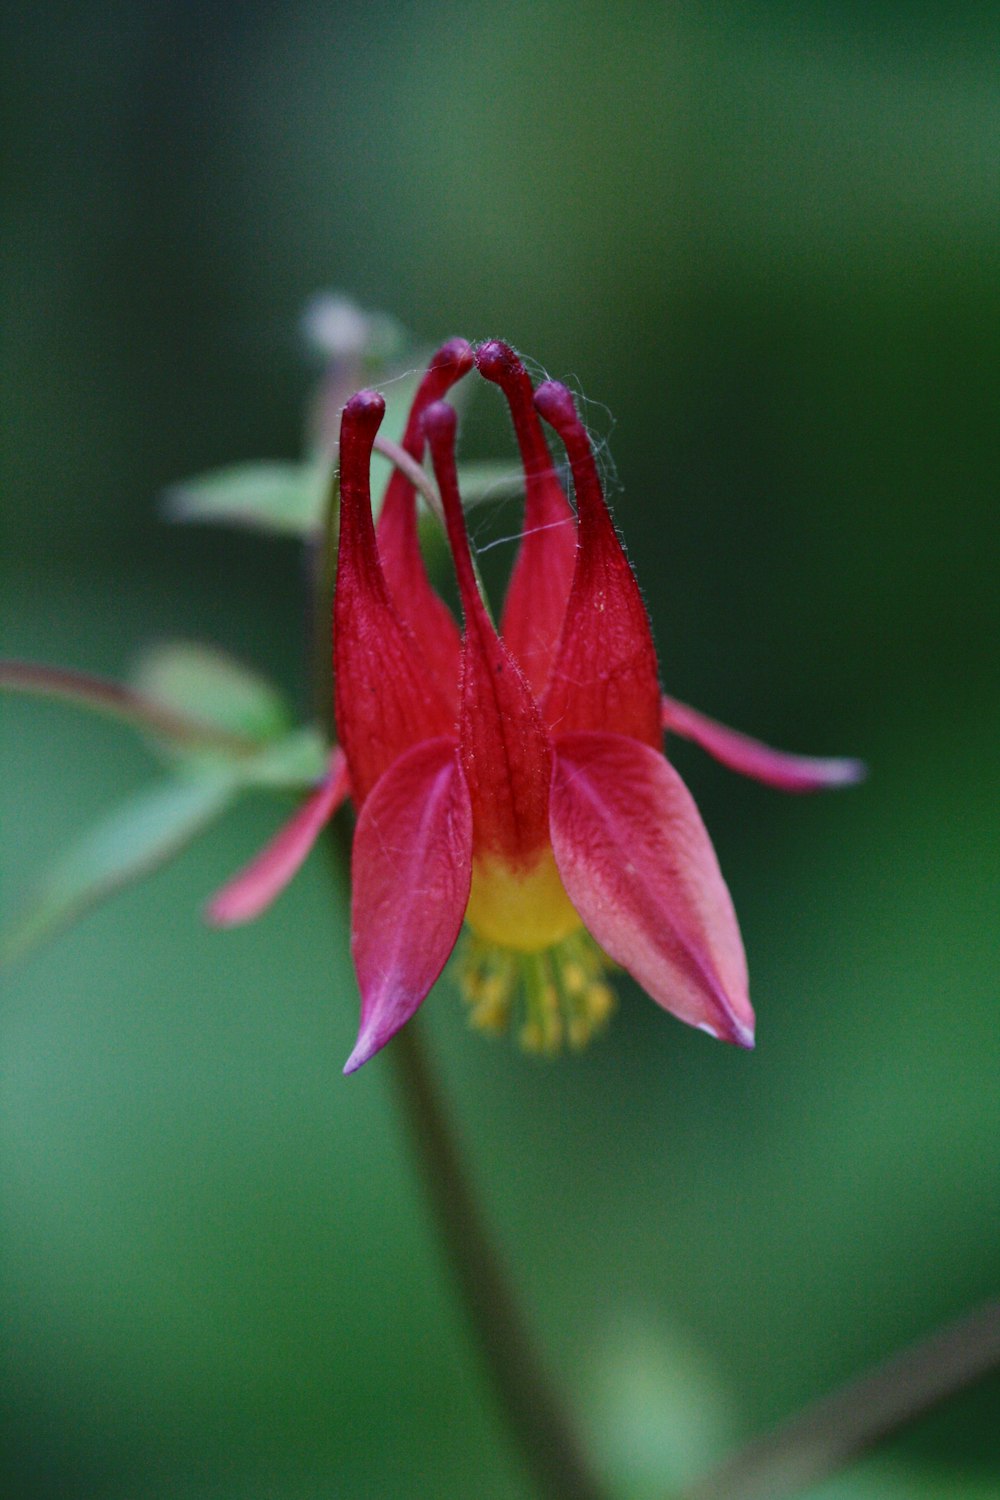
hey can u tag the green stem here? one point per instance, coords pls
(837, 1429)
(536, 1416)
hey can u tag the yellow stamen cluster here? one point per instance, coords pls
(557, 996)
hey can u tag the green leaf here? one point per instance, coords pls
(492, 479)
(134, 839)
(287, 498)
(115, 700)
(656, 1409)
(297, 761)
(211, 715)
(211, 687)
(291, 499)
(139, 835)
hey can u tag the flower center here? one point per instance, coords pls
(525, 910)
(559, 995)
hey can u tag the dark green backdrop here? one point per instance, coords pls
(763, 241)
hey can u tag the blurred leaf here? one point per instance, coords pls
(213, 688)
(168, 720)
(137, 837)
(491, 479)
(205, 684)
(290, 499)
(287, 498)
(147, 830)
(212, 714)
(657, 1413)
(297, 760)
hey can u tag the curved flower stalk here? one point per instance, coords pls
(515, 783)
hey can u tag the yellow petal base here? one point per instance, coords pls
(524, 910)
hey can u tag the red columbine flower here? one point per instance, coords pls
(514, 781)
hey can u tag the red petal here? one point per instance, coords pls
(541, 578)
(255, 887)
(789, 773)
(505, 750)
(640, 869)
(411, 871)
(386, 699)
(398, 542)
(605, 673)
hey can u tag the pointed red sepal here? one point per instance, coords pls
(505, 750)
(543, 572)
(789, 773)
(604, 675)
(386, 699)
(410, 877)
(640, 869)
(262, 881)
(424, 612)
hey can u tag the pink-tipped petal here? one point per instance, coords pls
(604, 675)
(543, 572)
(411, 872)
(789, 773)
(640, 869)
(260, 883)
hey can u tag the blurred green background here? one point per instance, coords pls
(763, 242)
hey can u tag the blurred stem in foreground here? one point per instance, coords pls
(539, 1423)
(839, 1428)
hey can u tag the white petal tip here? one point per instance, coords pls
(738, 1033)
(365, 1048)
(847, 773)
(743, 1035)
